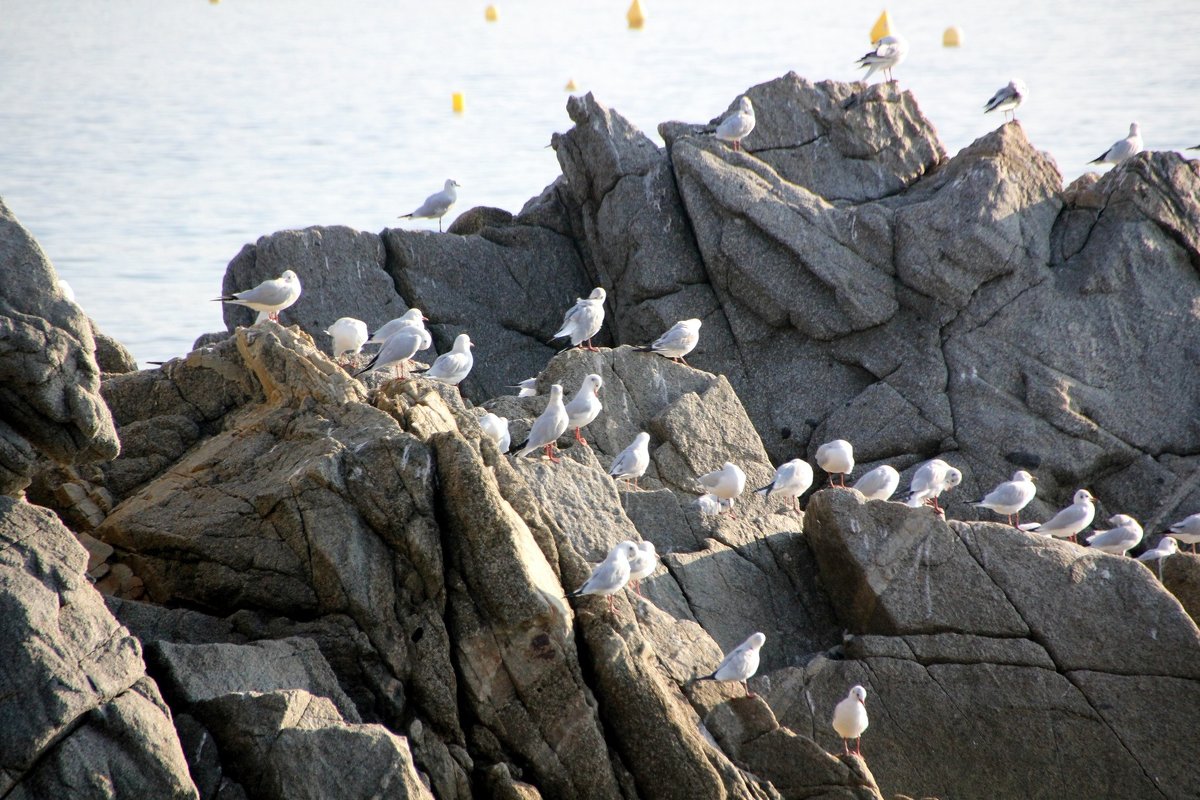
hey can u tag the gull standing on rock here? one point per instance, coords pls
(878, 484)
(708, 505)
(269, 297)
(836, 458)
(1187, 531)
(583, 320)
(413, 318)
(725, 484)
(929, 481)
(585, 406)
(1011, 496)
(888, 53)
(528, 388)
(741, 664)
(850, 719)
(1128, 147)
(676, 343)
(349, 336)
(398, 349)
(1125, 535)
(632, 462)
(437, 204)
(1166, 547)
(738, 124)
(642, 565)
(1070, 521)
(1007, 99)
(612, 574)
(792, 479)
(496, 429)
(549, 426)
(452, 367)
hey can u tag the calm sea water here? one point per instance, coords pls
(145, 141)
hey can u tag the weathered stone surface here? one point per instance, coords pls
(112, 357)
(78, 717)
(49, 379)
(1181, 577)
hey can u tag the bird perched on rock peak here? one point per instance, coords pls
(929, 481)
(1007, 99)
(269, 297)
(888, 53)
(738, 124)
(1128, 147)
(677, 342)
(454, 366)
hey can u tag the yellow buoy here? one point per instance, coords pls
(571, 86)
(635, 15)
(882, 27)
(952, 37)
(491, 14)
(458, 102)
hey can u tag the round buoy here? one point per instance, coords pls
(491, 14)
(458, 102)
(881, 28)
(635, 15)
(952, 37)
(571, 86)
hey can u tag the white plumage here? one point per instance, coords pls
(413, 318)
(792, 479)
(1128, 147)
(1124, 535)
(836, 458)
(549, 426)
(677, 342)
(398, 349)
(437, 204)
(850, 718)
(643, 564)
(454, 366)
(496, 429)
(1011, 496)
(888, 53)
(741, 663)
(584, 319)
(632, 462)
(930, 480)
(738, 124)
(1187, 530)
(585, 406)
(611, 575)
(1007, 99)
(1070, 521)
(879, 484)
(349, 335)
(269, 297)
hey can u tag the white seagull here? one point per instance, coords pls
(1070, 521)
(850, 719)
(398, 349)
(888, 53)
(878, 484)
(549, 426)
(1187, 530)
(585, 406)
(437, 204)
(528, 387)
(583, 320)
(725, 483)
(738, 124)
(612, 574)
(1125, 535)
(929, 481)
(741, 664)
(452, 367)
(792, 479)
(836, 458)
(676, 343)
(269, 297)
(708, 505)
(1128, 147)
(496, 429)
(1166, 547)
(349, 335)
(1011, 496)
(631, 463)
(642, 565)
(1007, 99)
(413, 318)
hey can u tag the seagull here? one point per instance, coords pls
(631, 463)
(676, 343)
(725, 483)
(1128, 147)
(792, 479)
(741, 664)
(398, 349)
(1187, 530)
(349, 335)
(737, 125)
(1166, 546)
(452, 367)
(878, 484)
(437, 204)
(836, 458)
(708, 504)
(496, 429)
(1008, 98)
(1070, 521)
(1125, 535)
(1011, 496)
(528, 387)
(642, 565)
(66, 290)
(548, 427)
(413, 318)
(270, 297)
(613, 573)
(850, 719)
(929, 481)
(585, 406)
(888, 53)
(583, 320)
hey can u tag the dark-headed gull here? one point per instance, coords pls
(269, 297)
(437, 204)
(850, 719)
